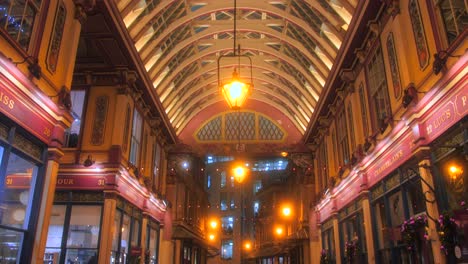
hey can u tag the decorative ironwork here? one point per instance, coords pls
(56, 37)
(211, 131)
(242, 125)
(394, 69)
(102, 103)
(3, 131)
(419, 35)
(27, 146)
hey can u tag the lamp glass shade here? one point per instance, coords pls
(235, 93)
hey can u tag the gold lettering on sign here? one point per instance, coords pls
(101, 182)
(442, 118)
(66, 181)
(464, 100)
(46, 132)
(389, 162)
(9, 181)
(6, 100)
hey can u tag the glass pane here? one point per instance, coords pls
(136, 233)
(115, 231)
(55, 234)
(153, 240)
(72, 134)
(125, 238)
(78, 256)
(16, 197)
(84, 227)
(416, 199)
(10, 245)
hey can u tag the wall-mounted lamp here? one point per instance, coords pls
(88, 161)
(454, 172)
(409, 94)
(33, 68)
(440, 58)
(64, 98)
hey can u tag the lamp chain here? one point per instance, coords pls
(235, 26)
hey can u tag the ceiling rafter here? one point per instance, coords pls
(291, 99)
(250, 45)
(247, 5)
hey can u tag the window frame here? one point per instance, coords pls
(37, 183)
(36, 31)
(439, 26)
(379, 93)
(344, 152)
(135, 150)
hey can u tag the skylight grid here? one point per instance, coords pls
(302, 11)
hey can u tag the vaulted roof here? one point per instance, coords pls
(293, 45)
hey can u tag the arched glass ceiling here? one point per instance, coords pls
(293, 44)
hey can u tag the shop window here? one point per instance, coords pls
(187, 254)
(116, 256)
(362, 102)
(383, 233)
(72, 134)
(353, 233)
(127, 236)
(416, 198)
(454, 17)
(227, 247)
(137, 130)
(18, 18)
(152, 244)
(328, 244)
(19, 194)
(378, 91)
(135, 232)
(343, 145)
(79, 227)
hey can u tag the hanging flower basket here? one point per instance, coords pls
(448, 231)
(324, 258)
(410, 231)
(351, 251)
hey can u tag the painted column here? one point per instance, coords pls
(166, 249)
(107, 227)
(315, 238)
(336, 238)
(366, 211)
(50, 181)
(432, 209)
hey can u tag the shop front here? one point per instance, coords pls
(450, 162)
(31, 128)
(100, 215)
